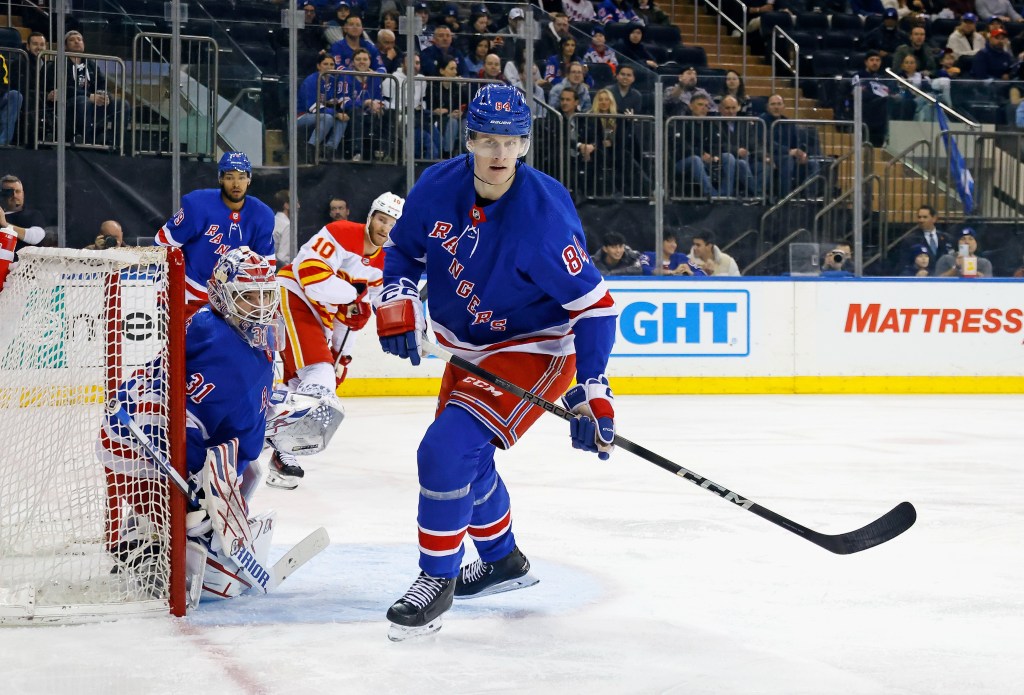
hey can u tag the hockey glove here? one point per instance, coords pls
(354, 315)
(593, 429)
(400, 320)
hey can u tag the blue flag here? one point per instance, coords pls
(958, 170)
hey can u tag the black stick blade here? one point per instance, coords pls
(885, 528)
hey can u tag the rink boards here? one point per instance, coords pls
(784, 335)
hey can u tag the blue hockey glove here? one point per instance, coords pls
(400, 320)
(593, 429)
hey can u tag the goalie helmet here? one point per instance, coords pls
(244, 291)
(388, 203)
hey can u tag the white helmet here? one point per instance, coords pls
(389, 204)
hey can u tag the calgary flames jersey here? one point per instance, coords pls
(328, 268)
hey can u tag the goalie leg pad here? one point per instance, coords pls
(224, 576)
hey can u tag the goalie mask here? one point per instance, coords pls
(244, 291)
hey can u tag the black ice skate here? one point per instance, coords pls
(140, 558)
(419, 612)
(485, 578)
(284, 472)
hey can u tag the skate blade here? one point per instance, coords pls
(510, 585)
(401, 633)
(282, 482)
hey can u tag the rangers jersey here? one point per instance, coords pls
(328, 266)
(205, 229)
(513, 274)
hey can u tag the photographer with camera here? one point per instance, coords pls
(836, 263)
(15, 218)
(110, 237)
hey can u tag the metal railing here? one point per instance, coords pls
(790, 60)
(707, 159)
(607, 159)
(16, 101)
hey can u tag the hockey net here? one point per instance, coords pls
(73, 326)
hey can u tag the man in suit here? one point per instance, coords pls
(938, 243)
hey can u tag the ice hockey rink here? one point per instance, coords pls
(648, 584)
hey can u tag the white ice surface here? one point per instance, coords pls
(648, 583)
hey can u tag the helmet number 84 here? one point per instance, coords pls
(503, 106)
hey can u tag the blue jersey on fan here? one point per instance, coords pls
(205, 229)
(511, 275)
(228, 385)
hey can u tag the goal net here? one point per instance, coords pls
(80, 538)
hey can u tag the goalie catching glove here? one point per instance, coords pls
(302, 423)
(400, 322)
(593, 429)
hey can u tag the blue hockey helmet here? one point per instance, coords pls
(499, 109)
(234, 161)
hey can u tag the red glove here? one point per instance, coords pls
(354, 315)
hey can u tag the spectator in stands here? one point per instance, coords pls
(579, 10)
(574, 81)
(515, 75)
(320, 121)
(993, 61)
(741, 161)
(838, 262)
(389, 21)
(904, 102)
(633, 49)
(436, 56)
(387, 47)
(311, 36)
(627, 99)
(492, 69)
(480, 23)
(672, 261)
(616, 258)
(886, 37)
(27, 223)
(424, 27)
(450, 17)
(998, 8)
(562, 136)
(966, 40)
(733, 87)
(876, 98)
(914, 105)
(603, 165)
(110, 237)
(334, 28)
(25, 81)
(447, 100)
(94, 116)
(952, 264)
(557, 66)
(369, 119)
(344, 51)
(425, 147)
(711, 259)
(10, 104)
(599, 51)
(617, 12)
(472, 64)
(697, 148)
(282, 227)
(337, 209)
(551, 36)
(917, 46)
(650, 14)
(790, 147)
(921, 262)
(513, 35)
(928, 235)
(679, 95)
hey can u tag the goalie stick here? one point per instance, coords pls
(298, 555)
(885, 528)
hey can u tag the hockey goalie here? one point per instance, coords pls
(229, 346)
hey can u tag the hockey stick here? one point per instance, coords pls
(298, 555)
(885, 528)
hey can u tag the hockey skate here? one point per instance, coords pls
(481, 578)
(139, 557)
(418, 613)
(284, 472)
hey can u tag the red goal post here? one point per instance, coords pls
(74, 325)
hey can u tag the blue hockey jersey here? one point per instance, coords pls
(513, 275)
(205, 229)
(227, 388)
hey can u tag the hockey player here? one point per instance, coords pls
(325, 294)
(212, 221)
(229, 350)
(513, 290)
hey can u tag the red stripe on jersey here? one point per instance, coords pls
(438, 543)
(602, 303)
(164, 239)
(492, 530)
(494, 347)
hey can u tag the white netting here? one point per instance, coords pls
(75, 543)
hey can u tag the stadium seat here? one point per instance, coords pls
(829, 63)
(846, 22)
(668, 37)
(817, 21)
(690, 55)
(10, 38)
(251, 32)
(872, 22)
(769, 20)
(839, 40)
(618, 32)
(659, 53)
(601, 74)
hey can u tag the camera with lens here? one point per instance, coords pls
(106, 242)
(6, 193)
(837, 257)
